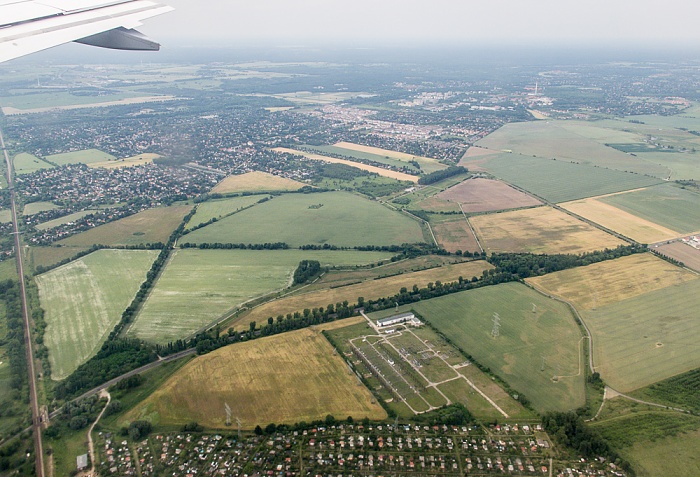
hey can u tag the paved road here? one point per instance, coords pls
(36, 417)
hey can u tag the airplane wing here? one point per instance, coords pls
(28, 26)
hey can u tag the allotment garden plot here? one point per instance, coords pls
(539, 230)
(414, 371)
(334, 218)
(281, 379)
(530, 341)
(85, 299)
(199, 287)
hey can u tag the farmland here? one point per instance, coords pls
(88, 156)
(282, 379)
(216, 209)
(149, 226)
(334, 218)
(255, 182)
(360, 155)
(377, 170)
(666, 205)
(539, 230)
(484, 195)
(456, 235)
(84, 300)
(25, 163)
(138, 160)
(8, 269)
(612, 281)
(647, 338)
(682, 252)
(561, 181)
(610, 217)
(5, 216)
(201, 286)
(427, 164)
(564, 141)
(370, 290)
(537, 350)
(47, 256)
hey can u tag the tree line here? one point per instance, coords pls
(437, 176)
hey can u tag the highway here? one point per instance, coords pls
(34, 402)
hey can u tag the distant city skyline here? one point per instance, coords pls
(396, 22)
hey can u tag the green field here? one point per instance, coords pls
(366, 156)
(57, 99)
(49, 224)
(221, 208)
(667, 205)
(681, 391)
(578, 142)
(36, 207)
(5, 216)
(87, 156)
(655, 442)
(8, 269)
(201, 286)
(334, 218)
(642, 340)
(526, 340)
(48, 256)
(149, 226)
(25, 163)
(561, 181)
(83, 301)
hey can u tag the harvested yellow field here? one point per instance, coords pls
(139, 160)
(400, 156)
(255, 182)
(281, 379)
(622, 222)
(539, 230)
(609, 282)
(370, 290)
(365, 167)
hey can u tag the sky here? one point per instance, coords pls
(617, 23)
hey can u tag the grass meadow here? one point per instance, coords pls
(531, 347)
(282, 379)
(84, 300)
(25, 163)
(562, 181)
(369, 289)
(255, 181)
(582, 143)
(87, 156)
(200, 286)
(647, 338)
(149, 226)
(5, 216)
(539, 230)
(49, 224)
(361, 155)
(36, 207)
(47, 256)
(666, 205)
(221, 208)
(427, 164)
(8, 269)
(334, 218)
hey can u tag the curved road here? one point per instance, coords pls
(36, 417)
